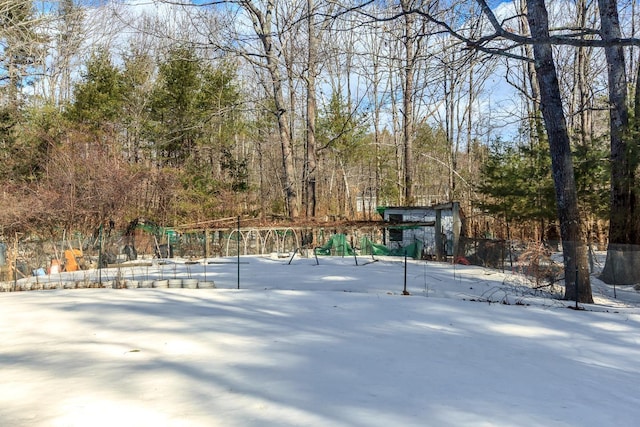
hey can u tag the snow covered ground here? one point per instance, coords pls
(334, 344)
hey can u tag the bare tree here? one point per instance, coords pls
(411, 39)
(373, 70)
(69, 36)
(262, 19)
(20, 48)
(309, 171)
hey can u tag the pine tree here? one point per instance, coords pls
(174, 107)
(98, 98)
(517, 181)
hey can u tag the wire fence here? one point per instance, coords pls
(40, 262)
(31, 257)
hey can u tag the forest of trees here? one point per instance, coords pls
(183, 112)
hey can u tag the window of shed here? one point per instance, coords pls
(395, 218)
(395, 234)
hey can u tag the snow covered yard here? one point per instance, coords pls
(333, 344)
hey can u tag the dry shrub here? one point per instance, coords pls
(537, 264)
(23, 207)
(86, 183)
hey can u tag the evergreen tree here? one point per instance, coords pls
(518, 183)
(8, 120)
(195, 125)
(98, 98)
(20, 45)
(39, 132)
(592, 179)
(138, 80)
(341, 130)
(217, 164)
(177, 118)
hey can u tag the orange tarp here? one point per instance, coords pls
(71, 257)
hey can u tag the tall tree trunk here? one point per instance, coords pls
(636, 102)
(395, 126)
(578, 108)
(69, 40)
(262, 24)
(450, 82)
(309, 178)
(576, 267)
(623, 254)
(407, 99)
(532, 92)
